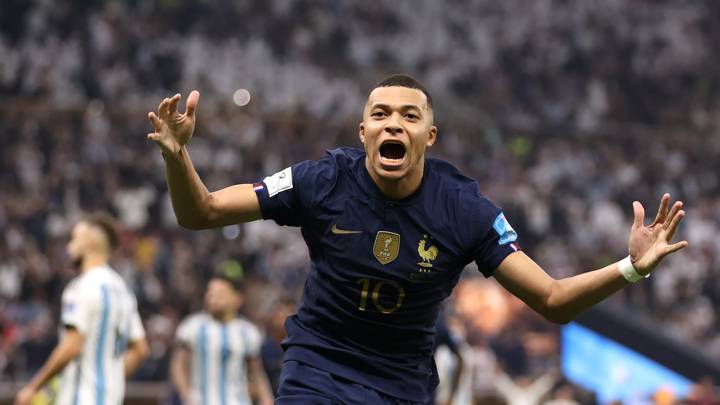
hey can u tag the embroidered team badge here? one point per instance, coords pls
(387, 246)
(427, 254)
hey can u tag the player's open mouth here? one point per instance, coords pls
(392, 153)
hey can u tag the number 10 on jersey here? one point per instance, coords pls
(366, 285)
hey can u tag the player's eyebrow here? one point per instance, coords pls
(403, 107)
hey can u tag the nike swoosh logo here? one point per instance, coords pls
(338, 231)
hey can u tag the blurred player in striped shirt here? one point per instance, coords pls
(103, 340)
(217, 357)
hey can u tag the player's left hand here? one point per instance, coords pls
(24, 396)
(648, 245)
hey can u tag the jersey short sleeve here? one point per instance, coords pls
(492, 238)
(254, 339)
(288, 196)
(79, 308)
(136, 331)
(185, 334)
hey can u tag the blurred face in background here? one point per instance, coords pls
(397, 126)
(221, 298)
(84, 238)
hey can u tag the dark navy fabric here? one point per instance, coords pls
(302, 384)
(369, 320)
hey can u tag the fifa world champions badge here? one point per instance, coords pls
(386, 247)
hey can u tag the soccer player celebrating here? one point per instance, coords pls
(217, 357)
(388, 231)
(103, 340)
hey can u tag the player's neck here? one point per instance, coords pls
(224, 317)
(93, 260)
(401, 188)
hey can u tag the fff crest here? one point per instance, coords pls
(387, 246)
(427, 254)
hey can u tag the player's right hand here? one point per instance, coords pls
(172, 129)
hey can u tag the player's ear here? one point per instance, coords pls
(361, 132)
(432, 136)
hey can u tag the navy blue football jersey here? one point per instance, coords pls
(380, 268)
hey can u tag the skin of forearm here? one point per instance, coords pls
(260, 386)
(132, 361)
(190, 197)
(133, 358)
(265, 396)
(179, 373)
(571, 296)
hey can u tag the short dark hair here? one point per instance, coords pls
(106, 224)
(403, 80)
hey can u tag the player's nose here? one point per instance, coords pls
(393, 128)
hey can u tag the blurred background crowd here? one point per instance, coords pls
(565, 112)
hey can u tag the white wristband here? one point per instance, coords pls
(628, 270)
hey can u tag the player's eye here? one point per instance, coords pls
(378, 114)
(411, 116)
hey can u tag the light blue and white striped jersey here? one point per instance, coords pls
(219, 353)
(102, 308)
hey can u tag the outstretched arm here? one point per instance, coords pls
(195, 207)
(563, 300)
(69, 347)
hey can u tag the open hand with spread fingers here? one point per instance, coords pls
(172, 129)
(648, 245)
